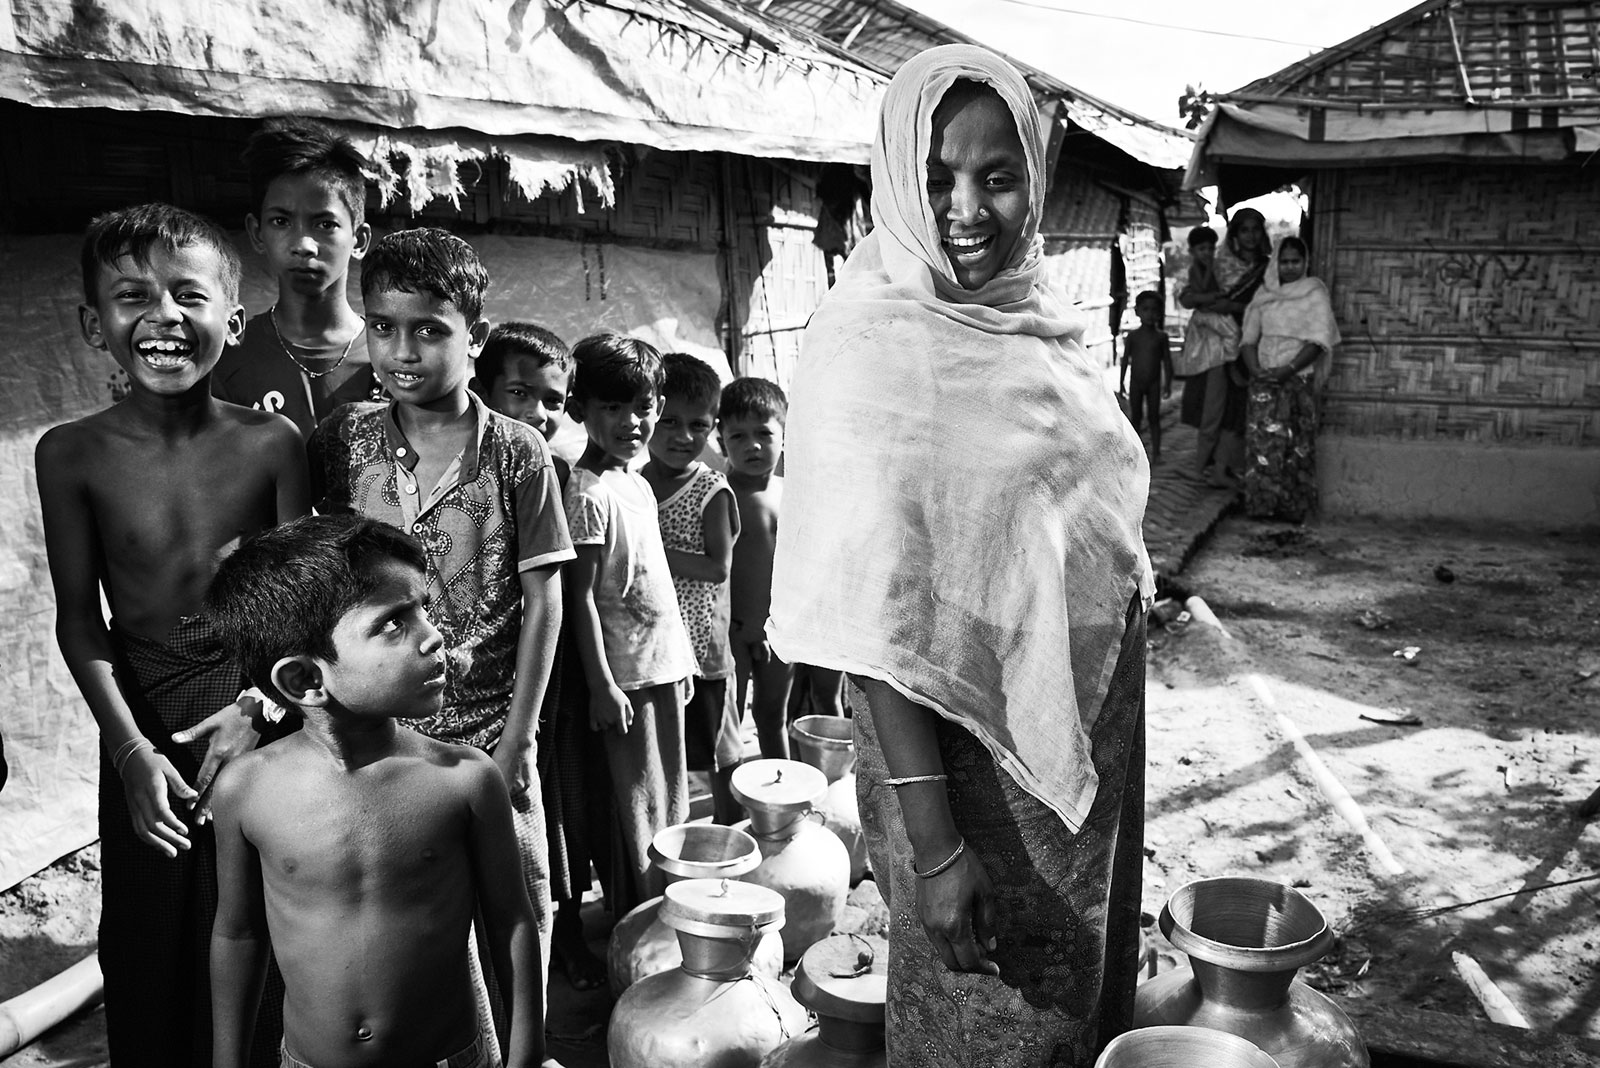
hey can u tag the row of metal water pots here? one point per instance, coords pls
(696, 971)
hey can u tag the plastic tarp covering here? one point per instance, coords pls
(646, 72)
(48, 376)
(1233, 134)
(1149, 144)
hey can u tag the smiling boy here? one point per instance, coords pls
(478, 491)
(356, 849)
(307, 354)
(143, 499)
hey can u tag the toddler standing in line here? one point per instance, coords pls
(699, 526)
(1147, 354)
(750, 418)
(623, 613)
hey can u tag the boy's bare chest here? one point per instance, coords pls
(362, 839)
(157, 503)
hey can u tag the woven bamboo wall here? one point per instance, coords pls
(1469, 300)
(779, 274)
(1083, 220)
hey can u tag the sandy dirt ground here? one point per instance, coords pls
(1473, 799)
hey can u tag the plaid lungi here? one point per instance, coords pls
(155, 920)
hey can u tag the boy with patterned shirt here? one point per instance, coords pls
(307, 354)
(480, 493)
(699, 525)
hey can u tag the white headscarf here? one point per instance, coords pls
(963, 496)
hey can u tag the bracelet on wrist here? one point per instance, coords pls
(125, 752)
(907, 780)
(944, 865)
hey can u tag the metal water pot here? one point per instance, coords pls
(844, 979)
(800, 858)
(828, 744)
(641, 944)
(1245, 939)
(1182, 1047)
(711, 1010)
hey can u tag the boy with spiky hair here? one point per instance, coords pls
(356, 850)
(142, 499)
(307, 354)
(478, 491)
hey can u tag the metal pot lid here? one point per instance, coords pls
(845, 977)
(704, 851)
(778, 786)
(697, 904)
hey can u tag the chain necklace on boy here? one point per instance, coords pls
(272, 315)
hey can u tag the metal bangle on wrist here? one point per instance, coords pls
(944, 865)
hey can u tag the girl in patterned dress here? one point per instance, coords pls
(699, 524)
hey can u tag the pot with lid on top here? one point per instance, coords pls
(800, 858)
(712, 1009)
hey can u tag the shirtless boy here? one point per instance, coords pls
(143, 499)
(750, 421)
(358, 849)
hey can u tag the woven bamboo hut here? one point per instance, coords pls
(642, 165)
(1450, 156)
(1116, 176)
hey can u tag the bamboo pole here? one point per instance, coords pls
(33, 1012)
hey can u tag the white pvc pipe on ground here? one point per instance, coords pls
(1332, 789)
(1496, 1005)
(33, 1012)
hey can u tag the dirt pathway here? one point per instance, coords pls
(1473, 802)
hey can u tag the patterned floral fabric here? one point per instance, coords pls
(1067, 904)
(1280, 474)
(704, 604)
(500, 516)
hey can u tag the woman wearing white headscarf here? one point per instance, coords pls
(1289, 331)
(961, 531)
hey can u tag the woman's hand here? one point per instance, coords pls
(148, 779)
(957, 910)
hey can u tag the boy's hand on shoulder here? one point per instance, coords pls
(610, 709)
(148, 779)
(230, 734)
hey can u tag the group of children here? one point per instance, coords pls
(558, 640)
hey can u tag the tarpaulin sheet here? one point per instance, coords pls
(48, 376)
(1233, 134)
(649, 73)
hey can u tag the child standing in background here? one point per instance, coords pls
(307, 354)
(699, 526)
(525, 372)
(750, 418)
(623, 613)
(1147, 353)
(478, 491)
